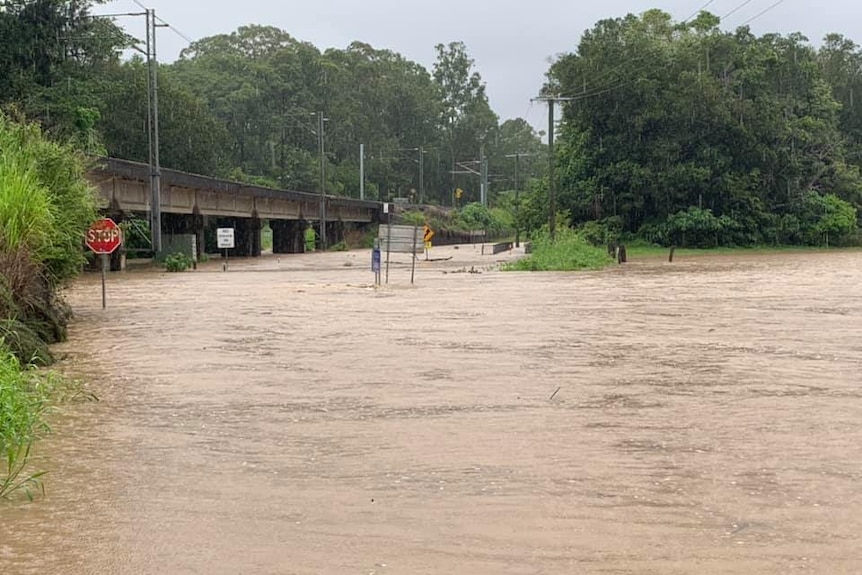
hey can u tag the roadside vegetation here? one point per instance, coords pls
(569, 251)
(45, 207)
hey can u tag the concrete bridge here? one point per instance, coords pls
(190, 202)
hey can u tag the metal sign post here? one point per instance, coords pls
(104, 238)
(388, 237)
(104, 281)
(225, 237)
(415, 240)
(375, 262)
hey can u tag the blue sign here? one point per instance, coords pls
(375, 261)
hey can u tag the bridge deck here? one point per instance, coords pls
(124, 186)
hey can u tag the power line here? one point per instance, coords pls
(737, 9)
(175, 31)
(776, 5)
(168, 25)
(699, 10)
(600, 90)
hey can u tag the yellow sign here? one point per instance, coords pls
(458, 193)
(428, 234)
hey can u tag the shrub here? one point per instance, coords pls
(45, 207)
(569, 252)
(178, 262)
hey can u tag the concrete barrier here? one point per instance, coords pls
(497, 248)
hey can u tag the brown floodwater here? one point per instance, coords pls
(286, 417)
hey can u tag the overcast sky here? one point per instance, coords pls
(510, 40)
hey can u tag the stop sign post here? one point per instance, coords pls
(103, 238)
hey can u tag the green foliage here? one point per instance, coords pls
(136, 235)
(178, 262)
(54, 54)
(412, 218)
(339, 247)
(45, 208)
(602, 233)
(696, 227)
(745, 128)
(569, 252)
(24, 395)
(477, 216)
(241, 105)
(24, 343)
(310, 239)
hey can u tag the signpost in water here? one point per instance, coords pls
(103, 238)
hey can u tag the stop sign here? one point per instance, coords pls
(104, 236)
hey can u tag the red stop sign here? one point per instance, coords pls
(104, 236)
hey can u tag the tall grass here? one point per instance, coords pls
(45, 208)
(24, 395)
(26, 216)
(44, 199)
(568, 252)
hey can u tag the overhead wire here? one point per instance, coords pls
(752, 19)
(699, 10)
(599, 89)
(169, 26)
(737, 9)
(604, 89)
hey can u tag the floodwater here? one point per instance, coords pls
(286, 417)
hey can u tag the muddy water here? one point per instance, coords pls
(286, 418)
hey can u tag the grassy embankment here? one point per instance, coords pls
(569, 252)
(45, 207)
(642, 250)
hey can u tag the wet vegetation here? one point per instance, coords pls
(568, 251)
(45, 207)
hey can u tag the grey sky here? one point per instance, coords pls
(510, 40)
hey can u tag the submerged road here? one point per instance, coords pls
(286, 417)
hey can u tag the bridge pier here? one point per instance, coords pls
(201, 223)
(288, 236)
(117, 260)
(334, 233)
(176, 225)
(247, 240)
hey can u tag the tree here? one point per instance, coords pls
(678, 124)
(192, 139)
(466, 118)
(53, 51)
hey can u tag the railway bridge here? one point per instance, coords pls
(190, 203)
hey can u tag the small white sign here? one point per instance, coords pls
(386, 208)
(225, 238)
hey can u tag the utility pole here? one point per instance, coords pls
(320, 123)
(552, 177)
(421, 175)
(361, 171)
(486, 181)
(157, 168)
(483, 177)
(518, 156)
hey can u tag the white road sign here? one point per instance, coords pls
(225, 238)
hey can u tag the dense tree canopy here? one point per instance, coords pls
(677, 132)
(244, 104)
(685, 133)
